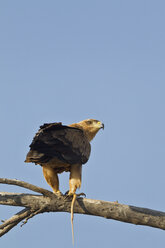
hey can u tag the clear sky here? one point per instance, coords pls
(71, 60)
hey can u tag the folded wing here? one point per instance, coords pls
(54, 140)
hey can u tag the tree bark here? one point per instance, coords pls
(49, 202)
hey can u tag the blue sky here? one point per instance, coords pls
(71, 60)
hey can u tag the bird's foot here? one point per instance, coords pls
(70, 194)
(81, 194)
(66, 193)
(58, 193)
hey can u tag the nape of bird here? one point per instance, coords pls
(58, 148)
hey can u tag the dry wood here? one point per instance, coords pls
(49, 202)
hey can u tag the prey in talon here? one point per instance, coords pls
(61, 148)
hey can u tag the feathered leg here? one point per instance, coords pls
(75, 178)
(51, 178)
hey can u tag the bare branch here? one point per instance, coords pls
(26, 185)
(21, 200)
(32, 215)
(35, 204)
(13, 221)
(124, 213)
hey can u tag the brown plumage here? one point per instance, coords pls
(58, 148)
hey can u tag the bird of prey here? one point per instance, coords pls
(58, 148)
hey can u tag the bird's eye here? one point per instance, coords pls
(89, 122)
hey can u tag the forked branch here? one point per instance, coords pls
(46, 201)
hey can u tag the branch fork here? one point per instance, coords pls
(46, 201)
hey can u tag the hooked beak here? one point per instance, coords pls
(102, 126)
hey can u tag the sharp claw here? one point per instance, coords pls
(67, 196)
(81, 194)
(66, 193)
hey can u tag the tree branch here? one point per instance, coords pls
(49, 202)
(13, 221)
(26, 185)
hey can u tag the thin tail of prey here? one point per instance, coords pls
(72, 207)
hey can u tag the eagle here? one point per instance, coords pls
(58, 148)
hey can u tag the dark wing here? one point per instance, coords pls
(55, 140)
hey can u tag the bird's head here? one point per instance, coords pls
(91, 127)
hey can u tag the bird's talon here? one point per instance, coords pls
(58, 193)
(67, 196)
(81, 194)
(66, 193)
